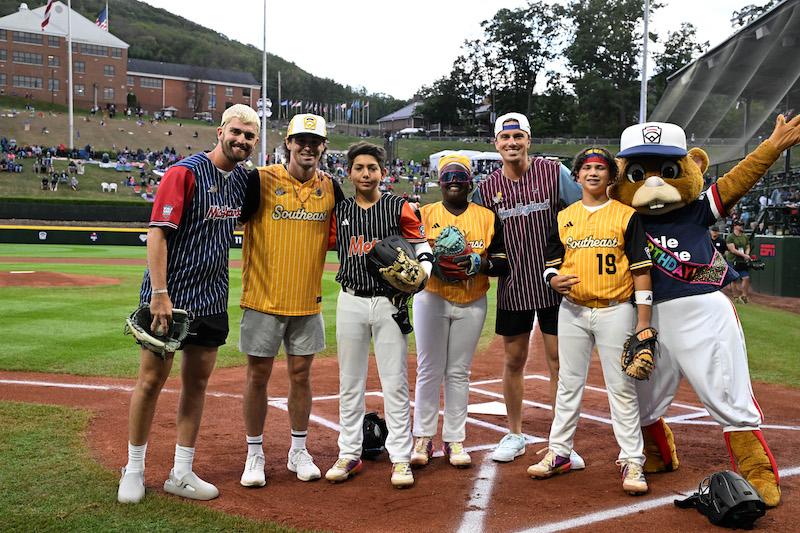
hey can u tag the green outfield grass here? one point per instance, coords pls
(84, 325)
(50, 482)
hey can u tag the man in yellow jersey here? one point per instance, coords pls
(283, 254)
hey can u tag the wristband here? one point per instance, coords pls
(643, 297)
(160, 291)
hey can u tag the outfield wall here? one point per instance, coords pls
(77, 211)
(81, 235)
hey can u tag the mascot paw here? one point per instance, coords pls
(659, 448)
(752, 457)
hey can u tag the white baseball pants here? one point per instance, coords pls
(447, 335)
(359, 320)
(579, 328)
(700, 337)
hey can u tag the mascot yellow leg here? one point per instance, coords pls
(659, 448)
(752, 458)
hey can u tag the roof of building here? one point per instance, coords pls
(190, 72)
(408, 111)
(83, 30)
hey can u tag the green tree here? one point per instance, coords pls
(554, 111)
(522, 41)
(680, 49)
(749, 13)
(604, 58)
(442, 102)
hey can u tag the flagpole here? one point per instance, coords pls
(71, 117)
(263, 160)
(108, 19)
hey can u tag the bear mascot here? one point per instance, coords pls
(701, 337)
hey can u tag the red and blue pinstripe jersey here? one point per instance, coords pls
(198, 206)
(685, 261)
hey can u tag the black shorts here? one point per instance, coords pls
(511, 323)
(210, 331)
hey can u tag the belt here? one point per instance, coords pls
(595, 303)
(364, 294)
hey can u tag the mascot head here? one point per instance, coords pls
(656, 172)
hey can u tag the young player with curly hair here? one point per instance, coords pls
(597, 259)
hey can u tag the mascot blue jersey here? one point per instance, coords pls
(685, 261)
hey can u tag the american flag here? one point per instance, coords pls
(46, 20)
(102, 19)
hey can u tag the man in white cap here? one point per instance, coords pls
(526, 194)
(283, 253)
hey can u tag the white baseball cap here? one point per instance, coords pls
(653, 138)
(524, 125)
(307, 123)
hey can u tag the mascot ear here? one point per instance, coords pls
(700, 157)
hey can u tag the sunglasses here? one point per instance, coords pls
(455, 176)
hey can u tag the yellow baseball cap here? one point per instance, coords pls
(307, 123)
(459, 159)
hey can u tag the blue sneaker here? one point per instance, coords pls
(509, 448)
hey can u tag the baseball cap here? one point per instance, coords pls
(738, 223)
(455, 160)
(307, 123)
(524, 125)
(653, 138)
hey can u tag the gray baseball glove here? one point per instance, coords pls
(139, 323)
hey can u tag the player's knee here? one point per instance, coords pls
(300, 377)
(515, 364)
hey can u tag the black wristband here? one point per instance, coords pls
(425, 256)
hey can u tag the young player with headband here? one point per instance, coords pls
(597, 259)
(450, 312)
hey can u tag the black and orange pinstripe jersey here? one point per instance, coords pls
(285, 242)
(599, 246)
(481, 230)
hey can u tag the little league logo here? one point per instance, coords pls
(652, 135)
(310, 123)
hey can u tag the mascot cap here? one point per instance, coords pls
(524, 125)
(307, 123)
(653, 138)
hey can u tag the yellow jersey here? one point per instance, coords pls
(477, 224)
(285, 241)
(600, 246)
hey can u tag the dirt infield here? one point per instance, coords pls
(488, 496)
(51, 279)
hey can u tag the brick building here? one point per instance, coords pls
(189, 89)
(33, 62)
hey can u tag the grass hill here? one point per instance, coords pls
(159, 35)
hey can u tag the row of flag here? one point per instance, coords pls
(101, 20)
(316, 107)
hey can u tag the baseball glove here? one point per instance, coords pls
(393, 262)
(639, 352)
(140, 321)
(453, 258)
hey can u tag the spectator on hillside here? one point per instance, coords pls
(73, 183)
(54, 182)
(45, 183)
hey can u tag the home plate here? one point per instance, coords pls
(22, 272)
(488, 408)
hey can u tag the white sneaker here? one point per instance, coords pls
(510, 447)
(253, 475)
(301, 462)
(190, 486)
(577, 461)
(131, 487)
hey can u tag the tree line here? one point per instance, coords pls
(597, 42)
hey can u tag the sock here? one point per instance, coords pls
(183, 460)
(255, 445)
(136, 458)
(299, 439)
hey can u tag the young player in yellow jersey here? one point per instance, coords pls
(449, 316)
(285, 242)
(597, 258)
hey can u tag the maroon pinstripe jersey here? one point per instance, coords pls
(528, 209)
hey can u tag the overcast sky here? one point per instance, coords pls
(394, 47)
